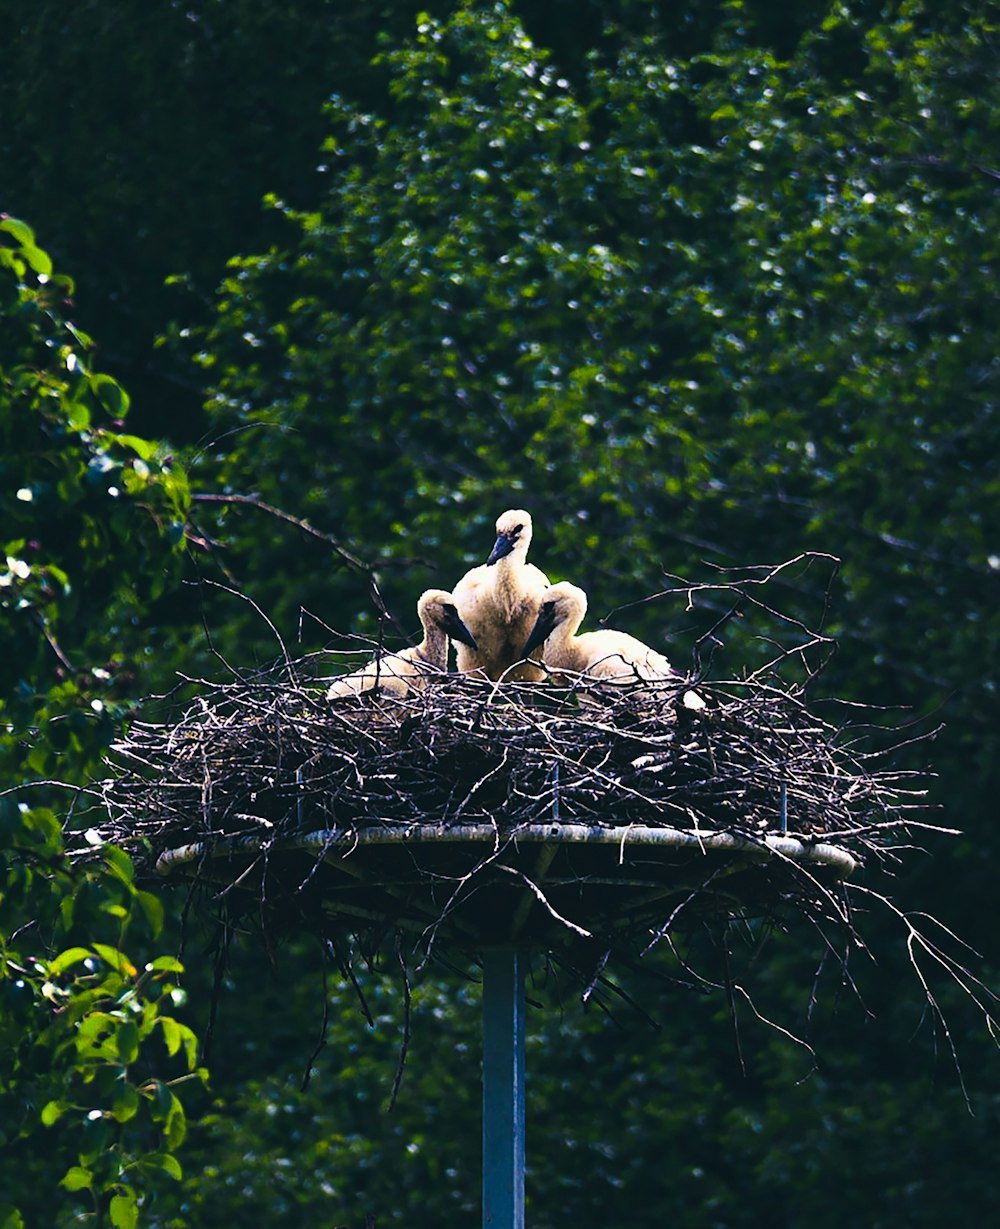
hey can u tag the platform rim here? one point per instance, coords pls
(791, 847)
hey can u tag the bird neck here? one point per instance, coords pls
(433, 649)
(564, 632)
(509, 568)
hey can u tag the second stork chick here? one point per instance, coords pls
(396, 673)
(605, 654)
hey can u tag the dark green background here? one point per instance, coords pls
(700, 285)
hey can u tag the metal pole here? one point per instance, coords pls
(503, 1088)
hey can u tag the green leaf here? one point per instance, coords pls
(77, 1179)
(146, 449)
(175, 1128)
(9, 297)
(152, 908)
(163, 1099)
(126, 1103)
(110, 394)
(165, 964)
(169, 1164)
(78, 418)
(65, 960)
(190, 1040)
(20, 230)
(97, 1035)
(38, 259)
(95, 1138)
(120, 862)
(171, 1034)
(10, 1217)
(116, 959)
(176, 1035)
(58, 574)
(53, 1111)
(128, 1042)
(124, 1210)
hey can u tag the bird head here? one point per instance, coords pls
(438, 607)
(513, 533)
(559, 603)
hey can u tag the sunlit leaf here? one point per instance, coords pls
(116, 959)
(110, 394)
(126, 1103)
(166, 964)
(77, 1179)
(21, 231)
(10, 1217)
(52, 1112)
(171, 1034)
(124, 1210)
(68, 958)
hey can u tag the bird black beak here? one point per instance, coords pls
(504, 544)
(456, 629)
(543, 626)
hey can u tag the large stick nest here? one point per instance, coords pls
(583, 822)
(350, 813)
(271, 754)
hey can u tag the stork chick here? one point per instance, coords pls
(604, 654)
(396, 673)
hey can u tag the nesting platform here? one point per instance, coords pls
(541, 886)
(472, 814)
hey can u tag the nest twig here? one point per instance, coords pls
(346, 817)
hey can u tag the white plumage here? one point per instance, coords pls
(603, 654)
(396, 673)
(499, 603)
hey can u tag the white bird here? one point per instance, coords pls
(396, 673)
(499, 602)
(604, 654)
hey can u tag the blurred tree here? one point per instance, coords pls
(141, 138)
(93, 520)
(651, 301)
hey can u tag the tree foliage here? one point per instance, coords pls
(700, 286)
(94, 1052)
(721, 305)
(708, 295)
(702, 295)
(92, 521)
(93, 517)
